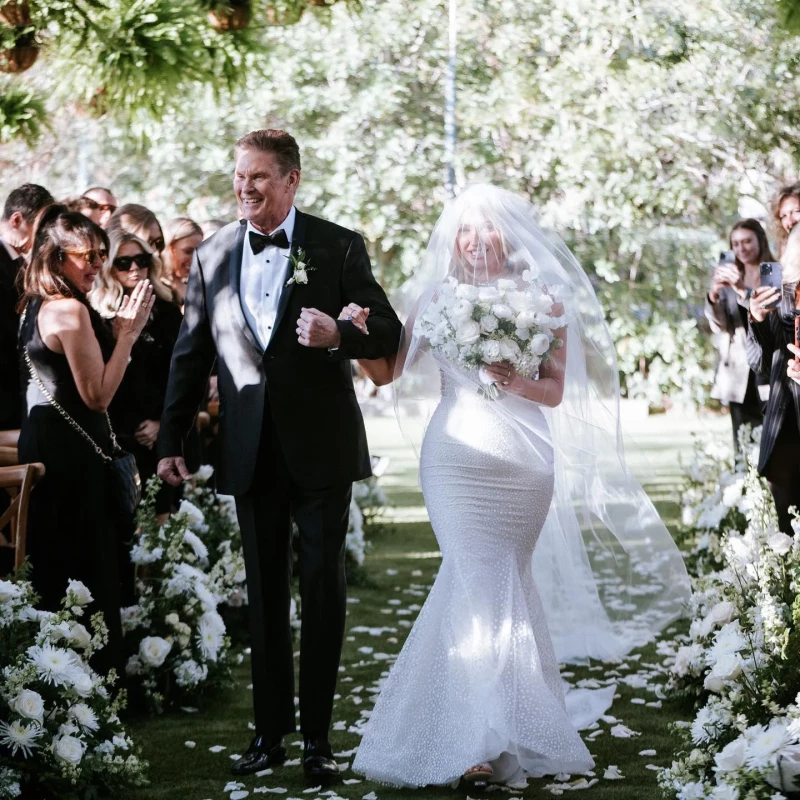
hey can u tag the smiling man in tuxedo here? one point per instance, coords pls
(263, 297)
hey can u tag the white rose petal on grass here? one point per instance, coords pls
(190, 744)
(647, 752)
(153, 650)
(29, 704)
(468, 332)
(240, 794)
(217, 748)
(623, 732)
(612, 773)
(370, 796)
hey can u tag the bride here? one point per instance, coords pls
(551, 551)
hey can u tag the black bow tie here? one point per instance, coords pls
(258, 241)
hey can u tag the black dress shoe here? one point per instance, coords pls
(318, 763)
(261, 754)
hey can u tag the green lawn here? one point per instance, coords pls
(401, 565)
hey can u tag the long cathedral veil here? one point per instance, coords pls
(606, 568)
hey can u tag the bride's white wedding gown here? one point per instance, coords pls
(477, 679)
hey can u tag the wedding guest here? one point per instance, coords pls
(735, 385)
(211, 226)
(182, 237)
(16, 227)
(772, 315)
(84, 205)
(140, 220)
(76, 360)
(136, 409)
(786, 212)
(105, 202)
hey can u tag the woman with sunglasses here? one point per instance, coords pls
(72, 358)
(136, 410)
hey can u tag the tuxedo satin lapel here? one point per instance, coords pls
(298, 242)
(234, 281)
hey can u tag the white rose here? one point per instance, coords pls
(490, 351)
(468, 332)
(726, 668)
(29, 704)
(172, 619)
(722, 613)
(465, 291)
(731, 757)
(489, 323)
(488, 294)
(525, 319)
(519, 301)
(544, 304)
(79, 636)
(540, 344)
(81, 595)
(502, 311)
(509, 350)
(461, 311)
(194, 514)
(9, 591)
(68, 749)
(153, 650)
(82, 683)
(300, 275)
(780, 543)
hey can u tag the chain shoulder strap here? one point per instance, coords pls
(73, 424)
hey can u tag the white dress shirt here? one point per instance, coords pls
(262, 281)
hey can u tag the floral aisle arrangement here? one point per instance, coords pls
(178, 641)
(473, 326)
(60, 733)
(716, 496)
(371, 500)
(742, 662)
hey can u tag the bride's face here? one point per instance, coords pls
(479, 247)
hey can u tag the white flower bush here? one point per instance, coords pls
(60, 733)
(371, 500)
(741, 658)
(176, 637)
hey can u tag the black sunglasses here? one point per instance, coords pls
(158, 244)
(125, 263)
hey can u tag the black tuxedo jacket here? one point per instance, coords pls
(10, 399)
(311, 396)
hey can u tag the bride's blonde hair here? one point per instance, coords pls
(107, 293)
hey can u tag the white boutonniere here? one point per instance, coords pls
(300, 267)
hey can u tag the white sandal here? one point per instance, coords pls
(480, 773)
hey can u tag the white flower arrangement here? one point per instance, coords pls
(472, 326)
(371, 500)
(60, 733)
(177, 640)
(740, 658)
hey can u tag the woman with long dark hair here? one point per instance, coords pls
(72, 365)
(735, 385)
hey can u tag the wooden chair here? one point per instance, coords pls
(8, 448)
(18, 481)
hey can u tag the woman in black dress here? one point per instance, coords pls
(74, 527)
(137, 406)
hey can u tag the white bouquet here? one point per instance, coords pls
(508, 321)
(60, 733)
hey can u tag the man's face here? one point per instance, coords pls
(21, 238)
(107, 206)
(263, 193)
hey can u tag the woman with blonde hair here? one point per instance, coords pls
(772, 330)
(136, 410)
(182, 236)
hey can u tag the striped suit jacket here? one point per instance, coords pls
(769, 357)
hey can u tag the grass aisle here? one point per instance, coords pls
(401, 568)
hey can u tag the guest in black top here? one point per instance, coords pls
(74, 528)
(16, 226)
(137, 406)
(770, 334)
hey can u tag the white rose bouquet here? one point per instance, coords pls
(508, 321)
(177, 640)
(60, 733)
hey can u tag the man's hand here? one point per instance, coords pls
(147, 433)
(173, 471)
(315, 329)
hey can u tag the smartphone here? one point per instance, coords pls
(727, 257)
(771, 274)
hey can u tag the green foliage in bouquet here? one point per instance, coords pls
(22, 114)
(60, 733)
(177, 639)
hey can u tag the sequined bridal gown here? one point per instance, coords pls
(477, 679)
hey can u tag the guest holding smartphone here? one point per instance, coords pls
(733, 282)
(770, 344)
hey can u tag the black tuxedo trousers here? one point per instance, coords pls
(265, 518)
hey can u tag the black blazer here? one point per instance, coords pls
(769, 357)
(10, 392)
(311, 396)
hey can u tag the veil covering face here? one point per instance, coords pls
(606, 568)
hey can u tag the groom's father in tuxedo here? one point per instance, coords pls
(262, 300)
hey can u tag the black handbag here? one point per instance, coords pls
(125, 479)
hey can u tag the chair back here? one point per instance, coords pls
(18, 482)
(8, 448)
